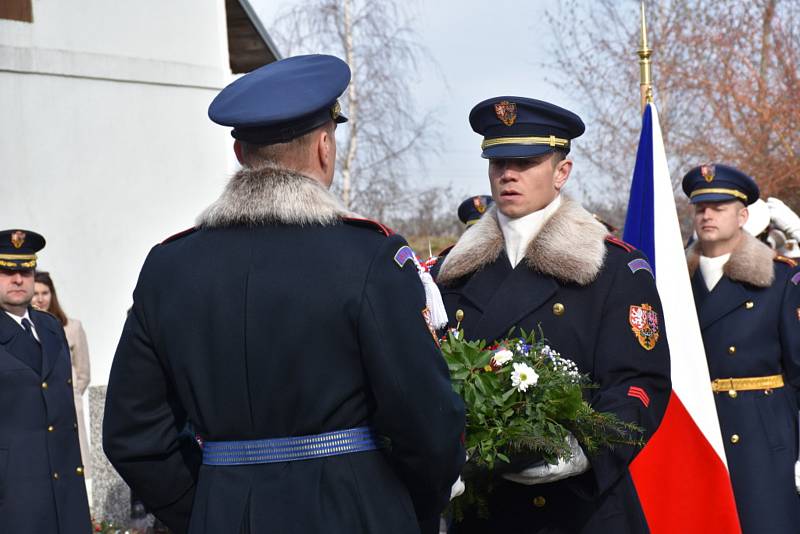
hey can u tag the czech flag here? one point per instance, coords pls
(681, 475)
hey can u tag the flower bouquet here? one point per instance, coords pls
(523, 399)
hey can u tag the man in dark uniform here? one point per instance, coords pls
(291, 337)
(472, 209)
(41, 473)
(538, 259)
(748, 303)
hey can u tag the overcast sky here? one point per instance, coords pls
(481, 50)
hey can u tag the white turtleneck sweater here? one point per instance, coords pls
(711, 269)
(518, 233)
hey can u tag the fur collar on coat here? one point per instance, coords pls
(750, 262)
(570, 247)
(270, 194)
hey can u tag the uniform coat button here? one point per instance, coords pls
(69, 381)
(51, 428)
(732, 393)
(79, 470)
(539, 501)
(735, 439)
(55, 475)
(558, 309)
(732, 350)
(44, 385)
(749, 305)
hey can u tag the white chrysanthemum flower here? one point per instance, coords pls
(502, 357)
(523, 377)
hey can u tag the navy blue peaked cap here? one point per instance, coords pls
(18, 249)
(472, 209)
(719, 183)
(283, 100)
(517, 127)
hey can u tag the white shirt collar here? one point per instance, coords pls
(712, 269)
(19, 319)
(518, 233)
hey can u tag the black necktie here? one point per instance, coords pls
(28, 326)
(28, 348)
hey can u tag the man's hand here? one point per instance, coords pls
(784, 218)
(576, 464)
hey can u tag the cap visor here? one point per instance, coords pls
(516, 151)
(712, 197)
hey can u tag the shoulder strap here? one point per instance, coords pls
(369, 223)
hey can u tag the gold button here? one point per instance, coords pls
(79, 470)
(44, 385)
(75, 425)
(732, 393)
(558, 309)
(767, 392)
(735, 439)
(459, 315)
(55, 476)
(69, 381)
(749, 305)
(731, 350)
(539, 501)
(51, 428)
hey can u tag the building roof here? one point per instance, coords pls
(249, 44)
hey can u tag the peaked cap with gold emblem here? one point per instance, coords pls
(518, 127)
(18, 249)
(283, 100)
(472, 209)
(719, 183)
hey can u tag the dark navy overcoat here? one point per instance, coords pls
(588, 295)
(42, 488)
(751, 328)
(276, 329)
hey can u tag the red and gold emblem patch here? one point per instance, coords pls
(708, 171)
(479, 204)
(506, 111)
(644, 324)
(17, 238)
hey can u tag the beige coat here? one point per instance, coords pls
(79, 350)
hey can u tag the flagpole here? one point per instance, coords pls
(645, 74)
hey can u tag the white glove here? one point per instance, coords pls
(797, 476)
(784, 218)
(457, 488)
(576, 464)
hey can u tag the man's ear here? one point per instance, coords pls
(237, 149)
(744, 214)
(561, 173)
(324, 151)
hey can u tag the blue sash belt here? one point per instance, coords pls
(267, 451)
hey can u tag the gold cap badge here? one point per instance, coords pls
(708, 172)
(506, 111)
(18, 238)
(336, 110)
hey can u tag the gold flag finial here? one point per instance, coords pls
(645, 76)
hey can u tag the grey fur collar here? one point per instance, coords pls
(569, 247)
(272, 195)
(750, 262)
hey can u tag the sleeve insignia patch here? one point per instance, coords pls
(640, 264)
(644, 325)
(796, 278)
(403, 255)
(639, 393)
